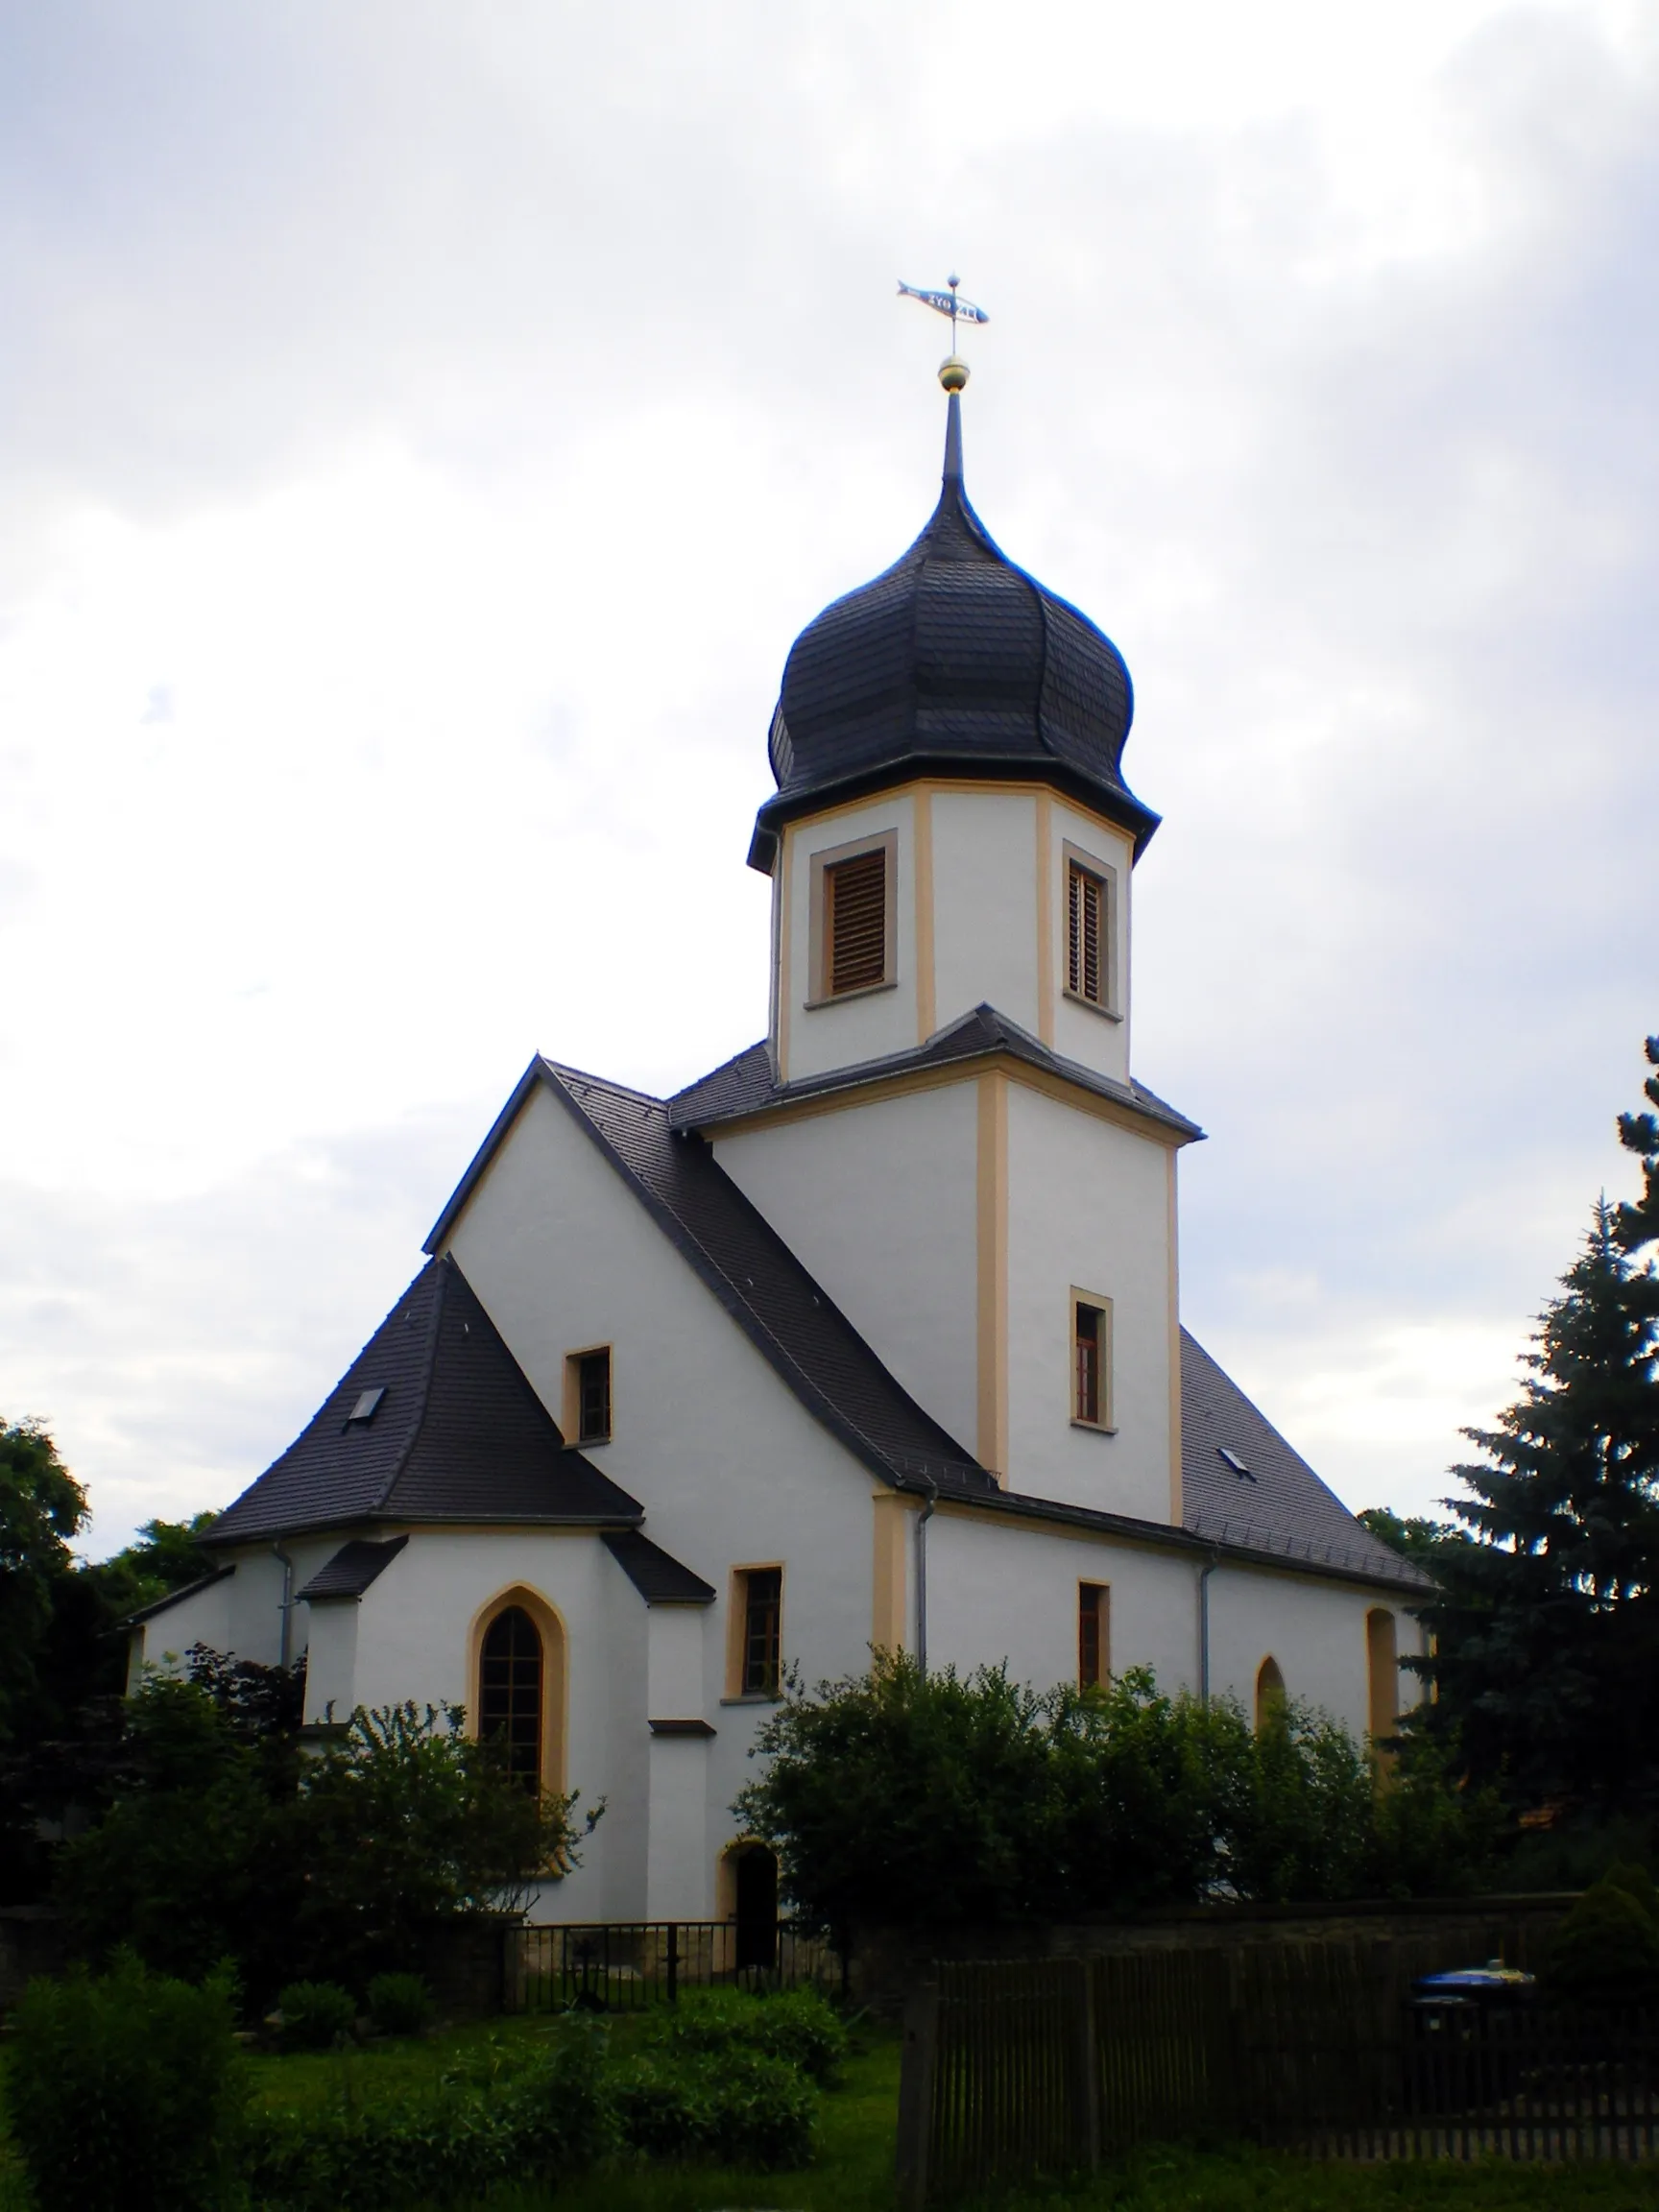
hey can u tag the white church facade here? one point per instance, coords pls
(870, 1337)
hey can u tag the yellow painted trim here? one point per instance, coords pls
(555, 1675)
(1060, 1088)
(1045, 918)
(992, 1240)
(985, 787)
(736, 1614)
(922, 843)
(1382, 1673)
(889, 1583)
(1173, 1245)
(786, 938)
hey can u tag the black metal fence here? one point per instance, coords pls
(626, 1966)
(1015, 2070)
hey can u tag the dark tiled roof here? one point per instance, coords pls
(955, 660)
(745, 1085)
(176, 1597)
(353, 1568)
(1281, 1506)
(459, 1435)
(659, 1577)
(743, 1261)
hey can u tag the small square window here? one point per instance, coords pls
(1094, 1634)
(588, 1388)
(368, 1404)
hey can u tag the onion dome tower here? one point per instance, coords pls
(955, 663)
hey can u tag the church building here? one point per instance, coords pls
(869, 1337)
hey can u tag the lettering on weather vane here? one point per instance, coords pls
(951, 304)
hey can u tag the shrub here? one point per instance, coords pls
(315, 2014)
(737, 2106)
(532, 2124)
(398, 2004)
(125, 2093)
(1606, 1950)
(800, 2027)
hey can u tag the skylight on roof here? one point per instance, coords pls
(366, 1401)
(1233, 1460)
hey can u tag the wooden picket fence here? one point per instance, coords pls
(1014, 2070)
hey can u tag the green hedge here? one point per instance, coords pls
(800, 2027)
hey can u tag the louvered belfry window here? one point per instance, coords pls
(1086, 936)
(855, 921)
(509, 1694)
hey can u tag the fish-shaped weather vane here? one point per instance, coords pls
(950, 303)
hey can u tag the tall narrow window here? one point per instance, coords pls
(1087, 936)
(1382, 1673)
(1090, 1361)
(510, 1693)
(761, 1653)
(1094, 1634)
(856, 923)
(588, 1395)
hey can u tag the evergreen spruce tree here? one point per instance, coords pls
(1638, 1133)
(1548, 1630)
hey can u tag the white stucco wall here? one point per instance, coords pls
(985, 904)
(731, 1467)
(878, 1202)
(997, 1592)
(1316, 1633)
(811, 1039)
(1088, 1206)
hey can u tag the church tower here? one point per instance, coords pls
(950, 1136)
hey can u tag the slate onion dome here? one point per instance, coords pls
(955, 663)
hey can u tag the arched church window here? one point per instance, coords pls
(1269, 1693)
(510, 1692)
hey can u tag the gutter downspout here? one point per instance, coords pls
(287, 1607)
(921, 1520)
(1204, 1575)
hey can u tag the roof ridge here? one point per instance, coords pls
(427, 1365)
(562, 1068)
(730, 1061)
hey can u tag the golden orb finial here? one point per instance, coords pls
(954, 373)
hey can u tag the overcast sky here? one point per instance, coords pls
(423, 429)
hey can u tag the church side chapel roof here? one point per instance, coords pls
(434, 1420)
(659, 1577)
(952, 661)
(353, 1568)
(746, 1085)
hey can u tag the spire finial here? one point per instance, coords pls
(952, 370)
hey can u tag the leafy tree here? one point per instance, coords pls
(933, 1799)
(194, 1860)
(406, 1821)
(226, 1838)
(1548, 1626)
(42, 1508)
(1414, 1536)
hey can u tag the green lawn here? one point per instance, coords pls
(854, 2172)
